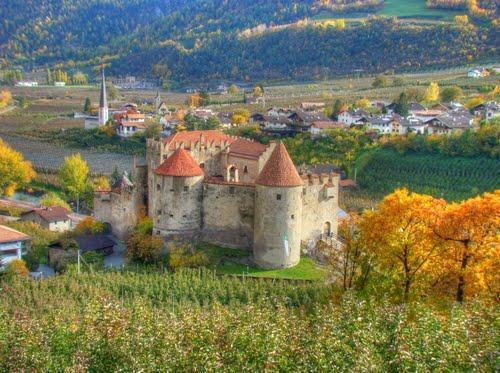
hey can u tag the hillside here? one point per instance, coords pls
(203, 39)
(453, 178)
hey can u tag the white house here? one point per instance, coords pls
(27, 84)
(492, 110)
(55, 219)
(478, 72)
(129, 128)
(60, 84)
(353, 117)
(13, 244)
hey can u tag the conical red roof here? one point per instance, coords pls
(180, 164)
(279, 170)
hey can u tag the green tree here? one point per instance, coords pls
(212, 123)
(48, 77)
(73, 176)
(450, 94)
(152, 131)
(402, 105)
(87, 105)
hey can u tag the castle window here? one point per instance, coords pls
(278, 197)
(158, 212)
(231, 190)
(158, 186)
(171, 190)
(293, 216)
(171, 215)
(202, 165)
(245, 170)
(186, 188)
(184, 216)
(304, 191)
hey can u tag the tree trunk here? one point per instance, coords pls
(461, 277)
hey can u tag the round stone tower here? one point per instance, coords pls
(178, 197)
(278, 212)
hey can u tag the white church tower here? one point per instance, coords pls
(103, 102)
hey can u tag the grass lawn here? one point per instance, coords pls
(414, 9)
(227, 262)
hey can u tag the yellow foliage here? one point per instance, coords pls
(5, 98)
(432, 92)
(363, 103)
(89, 225)
(100, 183)
(474, 102)
(73, 174)
(15, 172)
(51, 200)
(17, 268)
(462, 20)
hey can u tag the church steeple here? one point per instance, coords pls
(157, 99)
(103, 101)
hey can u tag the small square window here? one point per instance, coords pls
(231, 190)
(186, 188)
(278, 197)
(171, 215)
(293, 216)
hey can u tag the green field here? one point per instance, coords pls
(451, 178)
(414, 9)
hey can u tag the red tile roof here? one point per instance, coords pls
(279, 170)
(51, 214)
(191, 137)
(247, 148)
(10, 235)
(180, 164)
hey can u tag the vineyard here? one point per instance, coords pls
(195, 321)
(453, 178)
(50, 157)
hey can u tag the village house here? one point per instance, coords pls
(13, 244)
(386, 124)
(478, 72)
(355, 117)
(55, 219)
(319, 127)
(450, 122)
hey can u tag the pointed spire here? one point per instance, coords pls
(279, 170)
(103, 100)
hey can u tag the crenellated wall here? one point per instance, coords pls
(320, 204)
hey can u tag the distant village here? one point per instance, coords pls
(378, 116)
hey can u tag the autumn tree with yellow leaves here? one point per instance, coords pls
(399, 233)
(471, 260)
(15, 172)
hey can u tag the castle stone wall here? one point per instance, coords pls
(119, 210)
(320, 204)
(177, 206)
(278, 212)
(228, 214)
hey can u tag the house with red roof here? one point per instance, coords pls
(13, 244)
(55, 219)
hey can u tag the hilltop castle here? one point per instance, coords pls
(233, 192)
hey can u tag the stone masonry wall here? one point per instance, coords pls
(228, 213)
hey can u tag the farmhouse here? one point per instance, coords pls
(55, 218)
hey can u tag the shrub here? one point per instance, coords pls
(89, 225)
(143, 248)
(16, 268)
(183, 255)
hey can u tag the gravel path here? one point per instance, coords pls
(49, 156)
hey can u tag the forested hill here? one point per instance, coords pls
(231, 39)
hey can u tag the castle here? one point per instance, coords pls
(233, 192)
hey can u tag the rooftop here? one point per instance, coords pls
(180, 164)
(50, 214)
(279, 170)
(11, 235)
(247, 148)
